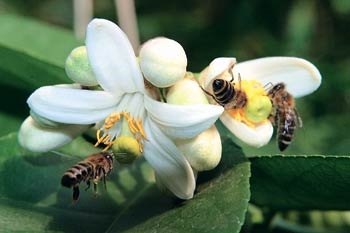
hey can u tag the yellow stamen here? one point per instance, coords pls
(255, 93)
(140, 128)
(134, 127)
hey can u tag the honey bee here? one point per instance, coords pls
(284, 115)
(226, 94)
(95, 167)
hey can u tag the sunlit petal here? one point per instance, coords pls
(39, 139)
(300, 76)
(69, 105)
(182, 121)
(256, 137)
(171, 167)
(112, 58)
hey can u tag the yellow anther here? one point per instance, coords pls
(112, 119)
(140, 128)
(138, 139)
(134, 126)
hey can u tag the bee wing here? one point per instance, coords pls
(299, 121)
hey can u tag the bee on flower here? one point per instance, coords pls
(262, 95)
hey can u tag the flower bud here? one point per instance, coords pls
(258, 108)
(203, 152)
(186, 91)
(42, 121)
(163, 61)
(37, 138)
(126, 149)
(78, 68)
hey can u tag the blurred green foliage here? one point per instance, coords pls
(314, 30)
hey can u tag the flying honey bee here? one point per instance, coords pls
(284, 115)
(226, 94)
(95, 167)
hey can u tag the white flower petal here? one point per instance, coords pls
(112, 58)
(69, 105)
(170, 165)
(215, 68)
(300, 76)
(39, 139)
(256, 137)
(182, 121)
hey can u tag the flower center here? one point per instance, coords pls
(258, 107)
(127, 127)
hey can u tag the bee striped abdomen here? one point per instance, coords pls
(76, 174)
(284, 115)
(223, 91)
(286, 127)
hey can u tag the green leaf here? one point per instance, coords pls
(301, 182)
(219, 206)
(30, 188)
(32, 53)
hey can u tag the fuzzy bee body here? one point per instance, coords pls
(225, 93)
(284, 115)
(93, 168)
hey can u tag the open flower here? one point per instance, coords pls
(251, 124)
(123, 108)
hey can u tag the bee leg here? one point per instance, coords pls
(230, 70)
(95, 190)
(207, 92)
(75, 193)
(88, 185)
(268, 86)
(232, 76)
(104, 178)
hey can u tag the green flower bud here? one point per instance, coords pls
(186, 91)
(78, 68)
(258, 108)
(203, 152)
(163, 61)
(126, 149)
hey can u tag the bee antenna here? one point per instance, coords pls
(231, 72)
(240, 81)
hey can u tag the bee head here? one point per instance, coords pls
(278, 87)
(108, 155)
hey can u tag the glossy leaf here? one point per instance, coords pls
(30, 187)
(32, 53)
(301, 182)
(219, 205)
